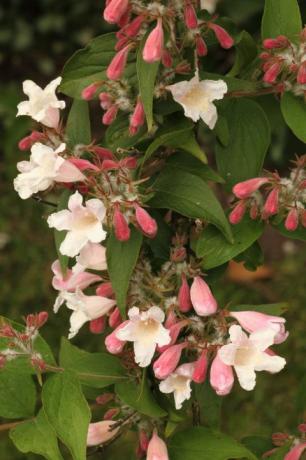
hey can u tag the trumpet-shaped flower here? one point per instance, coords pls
(247, 355)
(197, 98)
(179, 383)
(145, 329)
(101, 432)
(44, 168)
(43, 105)
(84, 224)
(92, 256)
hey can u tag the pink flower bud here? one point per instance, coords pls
(82, 164)
(252, 321)
(42, 318)
(147, 224)
(271, 204)
(200, 368)
(246, 188)
(110, 164)
(99, 432)
(123, 21)
(167, 59)
(111, 413)
(122, 230)
(116, 68)
(302, 427)
(25, 143)
(138, 116)
(292, 220)
(102, 153)
(202, 299)
(153, 48)
(190, 16)
(171, 319)
(301, 76)
(184, 299)
(132, 29)
(128, 162)
(296, 452)
(105, 100)
(174, 331)
(279, 42)
(110, 115)
(143, 441)
(121, 43)
(112, 343)
(254, 211)
(237, 213)
(201, 46)
(89, 92)
(273, 72)
(115, 318)
(157, 449)
(168, 361)
(96, 326)
(221, 377)
(105, 398)
(115, 10)
(223, 37)
(105, 290)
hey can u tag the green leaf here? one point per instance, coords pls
(190, 196)
(183, 161)
(67, 411)
(139, 397)
(59, 236)
(121, 261)
(294, 111)
(209, 404)
(246, 51)
(281, 17)
(206, 444)
(242, 158)
(117, 134)
(190, 145)
(222, 131)
(97, 370)
(252, 257)
(274, 309)
(216, 250)
(160, 245)
(17, 394)
(146, 74)
(281, 452)
(257, 444)
(36, 436)
(78, 124)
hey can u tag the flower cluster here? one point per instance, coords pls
(297, 443)
(264, 197)
(285, 62)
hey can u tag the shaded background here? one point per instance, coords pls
(36, 38)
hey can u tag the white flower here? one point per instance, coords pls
(145, 329)
(209, 5)
(197, 98)
(44, 168)
(85, 308)
(43, 105)
(247, 355)
(84, 224)
(178, 383)
(92, 256)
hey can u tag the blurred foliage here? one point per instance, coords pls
(36, 38)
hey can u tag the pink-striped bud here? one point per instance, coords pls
(99, 432)
(221, 377)
(110, 115)
(115, 10)
(271, 204)
(237, 213)
(292, 220)
(105, 290)
(132, 29)
(279, 42)
(223, 37)
(167, 59)
(184, 300)
(153, 49)
(301, 76)
(102, 153)
(89, 92)
(147, 224)
(272, 72)
(116, 68)
(124, 20)
(200, 368)
(201, 46)
(112, 343)
(202, 299)
(246, 188)
(115, 318)
(138, 116)
(296, 452)
(105, 100)
(157, 449)
(122, 230)
(96, 326)
(190, 16)
(168, 361)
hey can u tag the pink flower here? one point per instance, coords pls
(296, 452)
(279, 42)
(110, 115)
(168, 361)
(96, 326)
(272, 72)
(121, 226)
(116, 67)
(271, 204)
(174, 331)
(237, 213)
(115, 10)
(146, 222)
(292, 220)
(190, 16)
(184, 299)
(153, 48)
(132, 29)
(200, 368)
(201, 46)
(138, 116)
(89, 92)
(99, 432)
(222, 35)
(202, 299)
(157, 449)
(71, 281)
(221, 377)
(252, 321)
(246, 188)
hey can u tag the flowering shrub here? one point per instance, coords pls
(139, 229)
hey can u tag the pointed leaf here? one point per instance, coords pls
(281, 17)
(78, 124)
(294, 111)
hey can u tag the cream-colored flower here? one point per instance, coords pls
(209, 5)
(179, 383)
